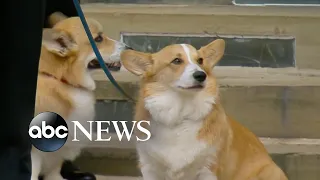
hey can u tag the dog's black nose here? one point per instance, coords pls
(128, 47)
(200, 76)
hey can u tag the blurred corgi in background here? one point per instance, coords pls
(65, 85)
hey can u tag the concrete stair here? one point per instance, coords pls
(280, 103)
(271, 102)
(257, 104)
(299, 158)
(101, 177)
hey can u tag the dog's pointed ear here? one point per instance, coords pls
(212, 53)
(59, 42)
(56, 17)
(136, 62)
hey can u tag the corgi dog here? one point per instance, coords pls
(192, 137)
(65, 85)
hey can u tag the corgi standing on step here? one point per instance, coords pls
(65, 85)
(192, 138)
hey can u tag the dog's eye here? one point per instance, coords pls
(200, 61)
(177, 61)
(98, 39)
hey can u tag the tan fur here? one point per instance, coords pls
(65, 85)
(238, 154)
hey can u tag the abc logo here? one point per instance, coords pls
(48, 132)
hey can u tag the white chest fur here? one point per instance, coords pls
(83, 111)
(174, 152)
(171, 108)
(83, 105)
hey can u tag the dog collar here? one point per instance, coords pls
(64, 81)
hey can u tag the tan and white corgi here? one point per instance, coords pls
(65, 85)
(192, 138)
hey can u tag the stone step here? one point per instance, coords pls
(234, 76)
(299, 158)
(273, 145)
(266, 22)
(271, 102)
(101, 177)
(296, 166)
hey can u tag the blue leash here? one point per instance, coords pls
(96, 51)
